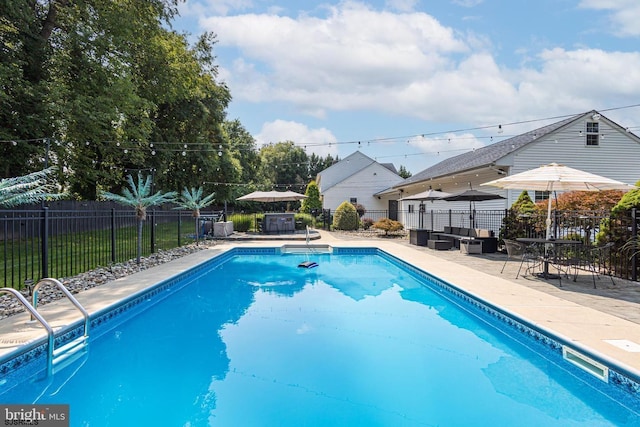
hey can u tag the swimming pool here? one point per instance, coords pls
(362, 339)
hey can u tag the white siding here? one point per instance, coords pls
(362, 185)
(617, 156)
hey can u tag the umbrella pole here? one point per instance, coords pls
(548, 218)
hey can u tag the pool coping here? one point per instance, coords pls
(580, 327)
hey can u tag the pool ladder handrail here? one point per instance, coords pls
(35, 315)
(66, 351)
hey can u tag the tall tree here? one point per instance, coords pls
(403, 172)
(285, 165)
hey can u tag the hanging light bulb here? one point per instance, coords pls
(184, 153)
(499, 128)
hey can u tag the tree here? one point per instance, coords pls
(284, 165)
(193, 201)
(101, 88)
(31, 188)
(139, 196)
(312, 202)
(517, 221)
(404, 173)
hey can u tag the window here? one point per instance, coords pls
(411, 209)
(353, 200)
(593, 134)
(540, 196)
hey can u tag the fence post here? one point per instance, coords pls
(634, 236)
(153, 231)
(113, 235)
(44, 231)
(179, 227)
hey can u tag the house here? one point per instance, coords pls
(590, 142)
(356, 179)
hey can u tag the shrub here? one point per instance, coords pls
(241, 222)
(360, 209)
(367, 223)
(302, 220)
(388, 225)
(345, 217)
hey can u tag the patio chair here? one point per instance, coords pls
(533, 254)
(595, 260)
(514, 249)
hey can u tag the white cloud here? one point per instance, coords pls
(625, 15)
(353, 57)
(319, 141)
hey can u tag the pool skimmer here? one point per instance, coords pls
(586, 363)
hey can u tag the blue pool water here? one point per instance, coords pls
(356, 341)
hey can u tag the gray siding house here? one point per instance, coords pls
(590, 142)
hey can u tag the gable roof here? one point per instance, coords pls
(487, 155)
(349, 166)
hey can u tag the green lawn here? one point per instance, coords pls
(74, 253)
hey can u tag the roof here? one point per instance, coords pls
(485, 156)
(349, 166)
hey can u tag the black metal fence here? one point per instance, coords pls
(50, 242)
(576, 225)
(61, 243)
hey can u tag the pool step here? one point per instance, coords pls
(69, 353)
(306, 249)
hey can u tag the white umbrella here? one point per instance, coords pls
(427, 195)
(272, 196)
(555, 177)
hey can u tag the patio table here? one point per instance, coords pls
(546, 259)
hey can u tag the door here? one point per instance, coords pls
(393, 210)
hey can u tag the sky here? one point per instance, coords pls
(413, 82)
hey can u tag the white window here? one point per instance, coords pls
(540, 196)
(593, 134)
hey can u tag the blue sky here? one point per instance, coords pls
(413, 82)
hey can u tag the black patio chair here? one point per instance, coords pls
(595, 260)
(534, 255)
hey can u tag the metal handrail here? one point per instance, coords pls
(67, 294)
(39, 318)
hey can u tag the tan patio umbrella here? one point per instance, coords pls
(556, 177)
(272, 196)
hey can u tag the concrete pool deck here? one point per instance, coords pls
(605, 320)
